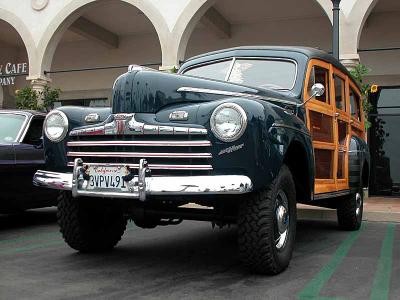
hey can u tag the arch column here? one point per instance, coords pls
(351, 27)
(38, 84)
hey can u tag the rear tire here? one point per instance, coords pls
(350, 210)
(89, 225)
(267, 226)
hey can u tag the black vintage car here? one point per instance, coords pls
(21, 153)
(247, 132)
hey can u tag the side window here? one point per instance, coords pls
(34, 133)
(339, 92)
(355, 106)
(320, 75)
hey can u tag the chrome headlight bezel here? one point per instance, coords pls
(243, 122)
(64, 126)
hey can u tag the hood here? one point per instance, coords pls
(148, 91)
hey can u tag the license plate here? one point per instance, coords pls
(106, 177)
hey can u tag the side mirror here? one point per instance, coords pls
(317, 90)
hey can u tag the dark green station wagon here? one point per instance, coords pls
(238, 136)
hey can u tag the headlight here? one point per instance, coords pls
(56, 126)
(228, 122)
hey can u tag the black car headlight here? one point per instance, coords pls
(228, 122)
(56, 126)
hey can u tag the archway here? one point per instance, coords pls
(229, 23)
(14, 64)
(93, 34)
(379, 33)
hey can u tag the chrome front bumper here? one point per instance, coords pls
(142, 186)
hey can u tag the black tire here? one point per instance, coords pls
(88, 224)
(258, 227)
(350, 210)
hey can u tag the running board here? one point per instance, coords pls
(323, 196)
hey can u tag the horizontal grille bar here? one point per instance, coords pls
(141, 143)
(153, 166)
(139, 154)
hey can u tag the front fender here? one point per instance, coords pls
(260, 152)
(55, 153)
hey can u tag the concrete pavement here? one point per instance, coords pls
(193, 261)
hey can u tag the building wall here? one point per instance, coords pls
(380, 31)
(277, 32)
(176, 25)
(85, 54)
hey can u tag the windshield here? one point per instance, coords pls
(273, 74)
(10, 125)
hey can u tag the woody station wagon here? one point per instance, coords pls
(247, 132)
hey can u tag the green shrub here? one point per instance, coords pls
(27, 98)
(358, 74)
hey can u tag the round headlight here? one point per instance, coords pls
(228, 122)
(56, 126)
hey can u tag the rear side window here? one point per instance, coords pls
(320, 75)
(340, 94)
(355, 106)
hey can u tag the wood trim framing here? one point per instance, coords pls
(353, 126)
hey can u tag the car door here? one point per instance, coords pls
(321, 116)
(340, 82)
(7, 164)
(29, 157)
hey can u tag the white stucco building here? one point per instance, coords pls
(42, 36)
(54, 35)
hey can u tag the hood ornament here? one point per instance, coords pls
(135, 126)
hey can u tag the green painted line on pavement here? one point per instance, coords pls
(46, 235)
(381, 285)
(44, 244)
(30, 247)
(27, 238)
(314, 287)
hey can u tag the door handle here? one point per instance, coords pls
(337, 114)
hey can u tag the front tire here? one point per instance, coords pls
(89, 225)
(267, 226)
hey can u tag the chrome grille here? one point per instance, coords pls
(175, 155)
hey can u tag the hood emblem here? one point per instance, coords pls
(92, 118)
(179, 115)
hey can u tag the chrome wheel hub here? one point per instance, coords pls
(281, 220)
(358, 203)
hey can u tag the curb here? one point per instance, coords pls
(315, 213)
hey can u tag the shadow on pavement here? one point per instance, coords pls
(44, 216)
(191, 252)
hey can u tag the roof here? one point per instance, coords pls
(307, 51)
(25, 112)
